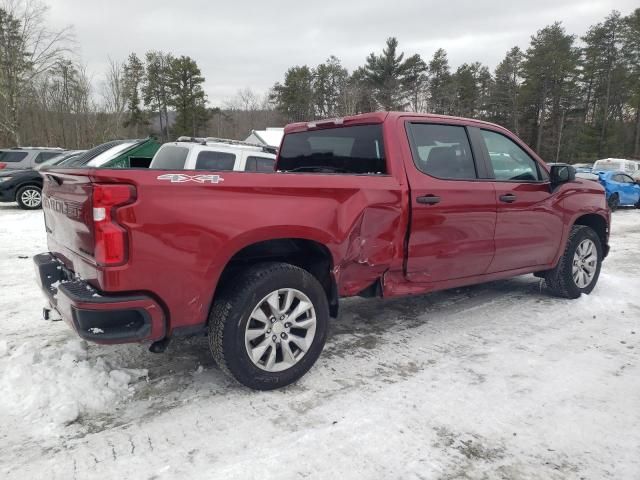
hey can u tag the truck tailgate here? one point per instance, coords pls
(67, 207)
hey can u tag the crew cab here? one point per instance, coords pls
(381, 204)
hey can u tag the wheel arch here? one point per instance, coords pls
(310, 254)
(598, 224)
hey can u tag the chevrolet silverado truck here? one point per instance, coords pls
(381, 204)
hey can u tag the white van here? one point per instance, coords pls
(617, 164)
(214, 154)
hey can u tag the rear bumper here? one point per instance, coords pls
(95, 316)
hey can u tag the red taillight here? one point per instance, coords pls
(2, 165)
(110, 237)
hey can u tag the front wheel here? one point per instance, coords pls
(29, 197)
(269, 326)
(613, 202)
(578, 269)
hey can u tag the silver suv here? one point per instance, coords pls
(26, 158)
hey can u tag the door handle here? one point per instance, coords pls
(508, 198)
(428, 199)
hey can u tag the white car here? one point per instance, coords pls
(632, 167)
(214, 154)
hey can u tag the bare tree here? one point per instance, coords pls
(114, 99)
(28, 48)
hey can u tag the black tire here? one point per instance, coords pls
(25, 196)
(613, 202)
(560, 280)
(235, 304)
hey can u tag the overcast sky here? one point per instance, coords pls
(246, 43)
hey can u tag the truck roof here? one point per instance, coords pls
(377, 117)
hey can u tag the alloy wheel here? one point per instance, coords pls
(585, 263)
(280, 330)
(31, 198)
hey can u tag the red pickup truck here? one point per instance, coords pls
(379, 204)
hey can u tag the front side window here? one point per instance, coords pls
(213, 160)
(509, 160)
(626, 179)
(442, 151)
(12, 157)
(259, 164)
(352, 150)
(170, 157)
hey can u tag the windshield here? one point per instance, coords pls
(105, 156)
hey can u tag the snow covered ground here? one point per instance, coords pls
(493, 381)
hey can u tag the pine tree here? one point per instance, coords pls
(505, 91)
(294, 97)
(631, 52)
(155, 88)
(415, 82)
(548, 90)
(440, 83)
(329, 83)
(471, 83)
(187, 96)
(603, 79)
(386, 75)
(133, 81)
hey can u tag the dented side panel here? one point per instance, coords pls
(182, 235)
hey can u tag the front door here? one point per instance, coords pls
(529, 227)
(453, 213)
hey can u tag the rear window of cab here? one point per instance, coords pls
(358, 149)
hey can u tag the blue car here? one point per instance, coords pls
(621, 189)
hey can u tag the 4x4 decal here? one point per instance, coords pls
(181, 178)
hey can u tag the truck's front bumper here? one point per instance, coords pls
(96, 316)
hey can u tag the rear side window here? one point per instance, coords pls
(259, 164)
(442, 151)
(170, 157)
(12, 157)
(212, 160)
(509, 160)
(350, 150)
(44, 156)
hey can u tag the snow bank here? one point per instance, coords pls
(57, 384)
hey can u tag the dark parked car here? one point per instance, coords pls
(25, 186)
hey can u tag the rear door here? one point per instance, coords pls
(453, 210)
(528, 229)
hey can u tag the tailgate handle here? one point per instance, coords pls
(55, 179)
(508, 198)
(428, 199)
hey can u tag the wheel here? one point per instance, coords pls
(29, 197)
(578, 269)
(613, 202)
(269, 326)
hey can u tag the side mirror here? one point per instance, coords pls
(561, 173)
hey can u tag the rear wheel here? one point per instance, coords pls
(578, 269)
(268, 328)
(613, 202)
(29, 197)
